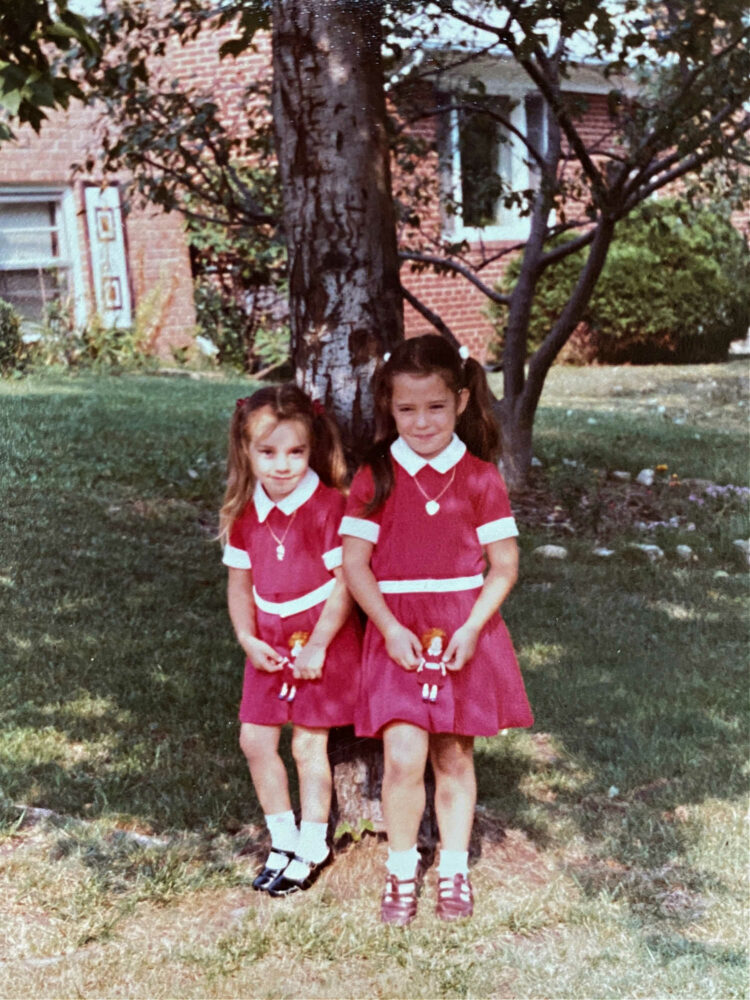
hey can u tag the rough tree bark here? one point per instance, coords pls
(339, 225)
(338, 216)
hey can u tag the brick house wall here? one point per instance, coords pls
(158, 264)
(463, 307)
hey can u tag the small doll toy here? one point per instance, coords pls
(433, 645)
(288, 681)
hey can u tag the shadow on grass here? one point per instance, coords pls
(121, 679)
(671, 947)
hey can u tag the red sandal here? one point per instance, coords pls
(455, 898)
(398, 904)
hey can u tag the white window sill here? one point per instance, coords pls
(518, 229)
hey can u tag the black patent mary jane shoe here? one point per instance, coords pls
(266, 876)
(282, 885)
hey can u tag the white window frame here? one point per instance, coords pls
(69, 258)
(510, 225)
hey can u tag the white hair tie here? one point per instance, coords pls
(463, 352)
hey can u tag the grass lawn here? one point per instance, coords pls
(610, 854)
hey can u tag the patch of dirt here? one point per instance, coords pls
(605, 508)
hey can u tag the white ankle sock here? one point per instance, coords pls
(453, 863)
(403, 864)
(312, 844)
(284, 837)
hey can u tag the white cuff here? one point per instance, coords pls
(495, 531)
(360, 528)
(236, 558)
(333, 558)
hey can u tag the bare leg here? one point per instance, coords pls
(405, 749)
(260, 745)
(452, 759)
(310, 752)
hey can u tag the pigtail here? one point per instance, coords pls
(476, 426)
(378, 458)
(326, 450)
(240, 481)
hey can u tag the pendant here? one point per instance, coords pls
(432, 507)
(280, 550)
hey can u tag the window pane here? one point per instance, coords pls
(29, 292)
(536, 133)
(479, 147)
(485, 163)
(28, 233)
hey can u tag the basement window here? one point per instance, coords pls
(36, 263)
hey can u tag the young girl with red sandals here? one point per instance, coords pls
(292, 615)
(426, 515)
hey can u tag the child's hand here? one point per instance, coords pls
(262, 656)
(403, 647)
(308, 664)
(461, 647)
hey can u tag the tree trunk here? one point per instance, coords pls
(524, 383)
(344, 290)
(515, 443)
(338, 217)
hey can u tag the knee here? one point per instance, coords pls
(453, 764)
(403, 765)
(253, 747)
(309, 750)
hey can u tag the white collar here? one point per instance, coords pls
(299, 495)
(408, 459)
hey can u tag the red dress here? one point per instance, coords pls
(429, 568)
(289, 596)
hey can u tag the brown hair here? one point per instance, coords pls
(285, 402)
(429, 355)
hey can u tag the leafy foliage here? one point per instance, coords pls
(675, 287)
(240, 275)
(10, 338)
(31, 79)
(688, 125)
(95, 347)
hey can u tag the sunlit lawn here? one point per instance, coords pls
(611, 851)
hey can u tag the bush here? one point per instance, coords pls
(249, 341)
(59, 342)
(11, 344)
(675, 288)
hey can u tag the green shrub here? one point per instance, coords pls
(95, 346)
(224, 322)
(234, 266)
(248, 342)
(675, 288)
(109, 347)
(11, 344)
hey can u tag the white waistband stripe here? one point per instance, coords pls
(284, 609)
(442, 586)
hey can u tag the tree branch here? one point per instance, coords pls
(452, 265)
(430, 316)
